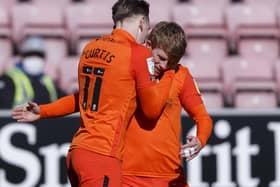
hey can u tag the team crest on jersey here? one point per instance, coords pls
(151, 65)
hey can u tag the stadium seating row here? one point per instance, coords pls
(237, 81)
(233, 48)
(9, 3)
(234, 28)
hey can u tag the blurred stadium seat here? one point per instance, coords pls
(213, 100)
(61, 3)
(200, 19)
(30, 19)
(255, 16)
(160, 12)
(5, 36)
(51, 69)
(8, 4)
(250, 22)
(111, 2)
(277, 73)
(41, 20)
(6, 49)
(108, 2)
(211, 48)
(67, 70)
(4, 21)
(204, 70)
(247, 74)
(81, 44)
(218, 3)
(255, 99)
(205, 28)
(206, 73)
(208, 77)
(56, 48)
(162, 1)
(272, 3)
(87, 21)
(267, 48)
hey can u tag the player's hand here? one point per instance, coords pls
(26, 113)
(191, 149)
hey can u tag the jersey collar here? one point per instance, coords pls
(124, 34)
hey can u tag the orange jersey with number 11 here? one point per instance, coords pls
(112, 70)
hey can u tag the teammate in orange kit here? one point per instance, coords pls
(151, 156)
(113, 74)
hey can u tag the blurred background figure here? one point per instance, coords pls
(27, 81)
(67, 77)
(6, 87)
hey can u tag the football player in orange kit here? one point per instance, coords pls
(113, 74)
(151, 156)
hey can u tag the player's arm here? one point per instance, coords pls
(32, 111)
(152, 96)
(193, 104)
(63, 106)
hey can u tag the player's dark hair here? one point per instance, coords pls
(123, 9)
(171, 38)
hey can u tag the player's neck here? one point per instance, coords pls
(129, 25)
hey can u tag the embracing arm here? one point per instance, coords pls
(193, 104)
(203, 123)
(32, 111)
(63, 106)
(152, 96)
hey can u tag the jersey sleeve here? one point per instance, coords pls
(152, 96)
(142, 67)
(63, 106)
(190, 95)
(193, 104)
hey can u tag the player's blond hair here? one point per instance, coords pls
(171, 38)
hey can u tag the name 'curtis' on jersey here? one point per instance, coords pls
(107, 56)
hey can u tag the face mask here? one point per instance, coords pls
(33, 65)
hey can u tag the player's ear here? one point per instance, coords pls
(140, 28)
(141, 24)
(149, 44)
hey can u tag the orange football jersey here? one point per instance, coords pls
(114, 72)
(152, 149)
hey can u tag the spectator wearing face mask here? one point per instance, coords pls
(30, 83)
